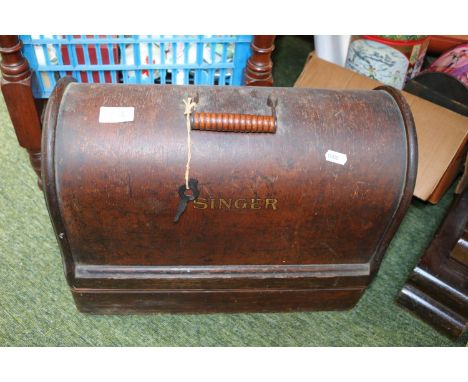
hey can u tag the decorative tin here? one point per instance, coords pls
(453, 63)
(391, 60)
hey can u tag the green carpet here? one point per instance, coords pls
(36, 308)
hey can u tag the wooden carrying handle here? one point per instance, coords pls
(239, 123)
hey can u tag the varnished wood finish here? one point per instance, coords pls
(460, 250)
(16, 89)
(276, 226)
(437, 289)
(48, 172)
(410, 176)
(236, 123)
(258, 71)
(25, 111)
(214, 301)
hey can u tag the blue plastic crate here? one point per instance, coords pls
(199, 60)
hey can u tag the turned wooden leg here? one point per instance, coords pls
(258, 71)
(16, 89)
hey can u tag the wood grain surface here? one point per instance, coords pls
(273, 212)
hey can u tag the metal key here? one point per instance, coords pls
(185, 198)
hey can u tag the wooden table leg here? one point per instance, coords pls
(16, 89)
(258, 71)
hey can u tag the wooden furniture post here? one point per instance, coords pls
(258, 71)
(16, 89)
(437, 289)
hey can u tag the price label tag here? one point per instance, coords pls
(116, 114)
(336, 157)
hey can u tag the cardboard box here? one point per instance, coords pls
(442, 134)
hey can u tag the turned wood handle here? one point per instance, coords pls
(239, 123)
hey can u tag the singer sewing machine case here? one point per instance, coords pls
(298, 218)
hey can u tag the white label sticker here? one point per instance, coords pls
(116, 114)
(336, 157)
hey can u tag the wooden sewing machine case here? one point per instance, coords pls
(295, 219)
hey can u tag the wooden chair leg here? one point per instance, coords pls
(17, 92)
(258, 71)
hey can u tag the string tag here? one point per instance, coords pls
(190, 105)
(188, 192)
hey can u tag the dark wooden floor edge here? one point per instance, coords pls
(432, 311)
